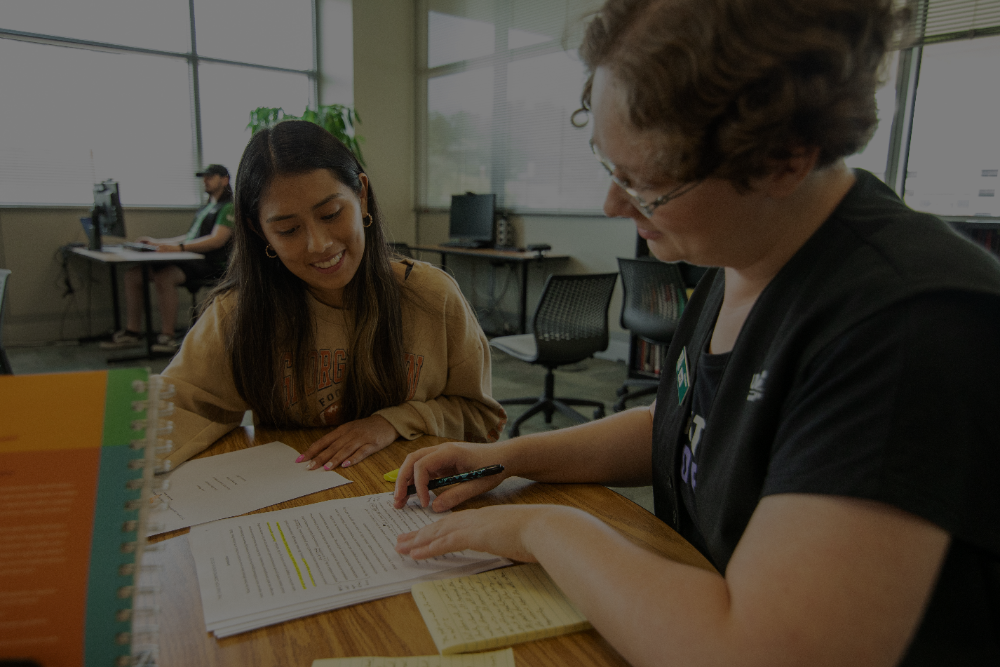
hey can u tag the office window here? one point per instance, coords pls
(535, 160)
(162, 25)
(229, 92)
(459, 122)
(262, 32)
(97, 89)
(76, 117)
(501, 81)
(954, 153)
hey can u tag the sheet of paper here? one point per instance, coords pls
(218, 487)
(264, 568)
(504, 658)
(496, 609)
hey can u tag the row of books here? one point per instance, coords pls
(649, 357)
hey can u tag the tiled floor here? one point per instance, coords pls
(594, 379)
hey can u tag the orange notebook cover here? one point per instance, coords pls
(71, 485)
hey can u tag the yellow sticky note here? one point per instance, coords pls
(391, 475)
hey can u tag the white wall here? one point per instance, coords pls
(384, 80)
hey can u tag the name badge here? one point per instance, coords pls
(683, 377)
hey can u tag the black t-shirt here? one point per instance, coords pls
(869, 368)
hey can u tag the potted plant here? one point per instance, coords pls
(337, 119)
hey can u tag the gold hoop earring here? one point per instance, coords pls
(370, 221)
(269, 255)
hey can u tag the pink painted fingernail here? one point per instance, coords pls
(328, 466)
(345, 464)
(312, 465)
(299, 460)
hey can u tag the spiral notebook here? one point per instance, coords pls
(76, 471)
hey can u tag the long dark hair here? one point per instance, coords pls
(271, 318)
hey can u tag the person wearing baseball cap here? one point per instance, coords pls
(209, 234)
(213, 170)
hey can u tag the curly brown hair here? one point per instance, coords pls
(737, 85)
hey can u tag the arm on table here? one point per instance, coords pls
(614, 450)
(219, 237)
(815, 580)
(460, 408)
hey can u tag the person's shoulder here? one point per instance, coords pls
(223, 303)
(424, 278)
(895, 243)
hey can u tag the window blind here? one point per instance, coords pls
(936, 21)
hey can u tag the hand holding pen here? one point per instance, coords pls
(458, 479)
(469, 470)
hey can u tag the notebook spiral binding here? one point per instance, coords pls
(140, 592)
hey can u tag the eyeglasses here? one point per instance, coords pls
(637, 200)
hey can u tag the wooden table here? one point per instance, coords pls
(390, 626)
(521, 258)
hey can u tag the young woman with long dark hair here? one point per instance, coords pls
(826, 432)
(316, 324)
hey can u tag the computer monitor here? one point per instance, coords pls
(106, 218)
(471, 219)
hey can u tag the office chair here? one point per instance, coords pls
(5, 368)
(570, 324)
(654, 298)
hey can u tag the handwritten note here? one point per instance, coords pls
(499, 608)
(504, 658)
(235, 483)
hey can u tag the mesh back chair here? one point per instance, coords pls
(655, 295)
(5, 368)
(570, 324)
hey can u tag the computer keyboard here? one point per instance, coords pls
(142, 247)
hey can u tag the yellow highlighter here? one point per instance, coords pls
(391, 475)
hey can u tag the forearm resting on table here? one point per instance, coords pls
(614, 450)
(816, 580)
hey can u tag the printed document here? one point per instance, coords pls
(218, 487)
(266, 568)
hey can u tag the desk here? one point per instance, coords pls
(522, 258)
(112, 259)
(390, 626)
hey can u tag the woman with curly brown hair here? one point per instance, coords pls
(828, 438)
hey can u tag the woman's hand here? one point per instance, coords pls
(167, 247)
(350, 443)
(503, 530)
(444, 460)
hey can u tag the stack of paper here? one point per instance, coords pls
(267, 568)
(218, 487)
(494, 609)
